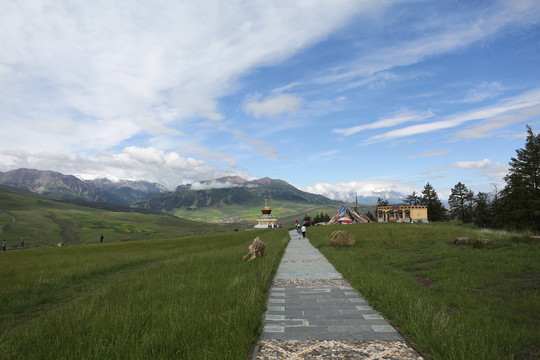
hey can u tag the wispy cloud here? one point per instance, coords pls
(429, 154)
(441, 34)
(483, 91)
(401, 117)
(272, 106)
(519, 108)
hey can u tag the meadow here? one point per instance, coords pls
(451, 302)
(181, 298)
(44, 221)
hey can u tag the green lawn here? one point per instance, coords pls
(452, 302)
(190, 298)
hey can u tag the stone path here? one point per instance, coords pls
(313, 313)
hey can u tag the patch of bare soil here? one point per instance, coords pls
(425, 281)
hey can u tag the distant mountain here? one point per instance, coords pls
(230, 191)
(69, 187)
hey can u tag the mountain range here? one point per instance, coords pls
(70, 187)
(226, 191)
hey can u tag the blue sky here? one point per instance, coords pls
(335, 97)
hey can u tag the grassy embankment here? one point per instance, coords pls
(453, 302)
(188, 298)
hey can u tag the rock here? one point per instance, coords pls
(483, 241)
(341, 238)
(535, 239)
(462, 241)
(255, 250)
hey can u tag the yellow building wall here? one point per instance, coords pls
(404, 213)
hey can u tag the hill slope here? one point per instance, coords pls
(42, 221)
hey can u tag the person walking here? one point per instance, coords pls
(298, 231)
(101, 239)
(304, 231)
(4, 243)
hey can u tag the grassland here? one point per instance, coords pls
(475, 302)
(285, 211)
(188, 298)
(43, 221)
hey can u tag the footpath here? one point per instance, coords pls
(313, 313)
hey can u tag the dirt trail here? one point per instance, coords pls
(12, 221)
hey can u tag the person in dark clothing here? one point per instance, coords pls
(101, 239)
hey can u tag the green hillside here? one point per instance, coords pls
(41, 221)
(239, 203)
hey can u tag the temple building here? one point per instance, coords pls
(266, 220)
(402, 213)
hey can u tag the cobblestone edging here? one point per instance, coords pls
(334, 349)
(307, 283)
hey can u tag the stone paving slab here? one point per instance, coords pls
(319, 312)
(311, 303)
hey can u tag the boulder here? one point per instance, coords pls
(483, 241)
(341, 238)
(535, 239)
(462, 240)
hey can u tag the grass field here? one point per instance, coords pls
(453, 302)
(287, 212)
(188, 298)
(43, 221)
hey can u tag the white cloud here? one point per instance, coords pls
(167, 168)
(440, 34)
(429, 154)
(273, 106)
(385, 189)
(519, 108)
(401, 117)
(493, 171)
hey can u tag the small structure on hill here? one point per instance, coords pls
(402, 213)
(266, 221)
(346, 215)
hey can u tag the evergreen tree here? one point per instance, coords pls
(412, 199)
(461, 203)
(381, 202)
(436, 210)
(369, 214)
(521, 195)
(481, 210)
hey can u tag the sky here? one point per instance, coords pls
(335, 97)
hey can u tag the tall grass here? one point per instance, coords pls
(453, 302)
(188, 298)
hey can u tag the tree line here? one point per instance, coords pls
(515, 207)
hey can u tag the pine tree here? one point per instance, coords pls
(461, 203)
(521, 195)
(412, 199)
(481, 209)
(436, 210)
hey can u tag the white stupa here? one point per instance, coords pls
(266, 220)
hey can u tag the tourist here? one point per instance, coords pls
(4, 245)
(298, 231)
(304, 231)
